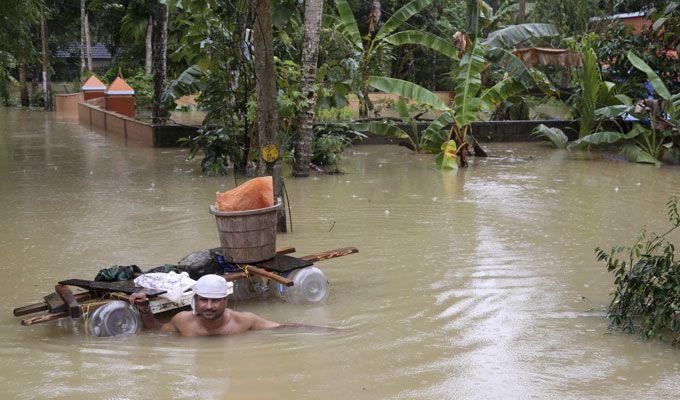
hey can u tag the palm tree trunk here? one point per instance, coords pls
(147, 62)
(310, 56)
(88, 44)
(265, 94)
(159, 49)
(83, 51)
(521, 15)
(23, 86)
(47, 88)
(374, 18)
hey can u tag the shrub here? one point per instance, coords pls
(647, 278)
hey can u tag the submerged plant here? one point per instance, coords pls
(646, 297)
(555, 135)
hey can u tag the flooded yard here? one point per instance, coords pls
(477, 284)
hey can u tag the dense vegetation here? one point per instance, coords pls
(646, 296)
(406, 48)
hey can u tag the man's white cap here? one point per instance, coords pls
(213, 287)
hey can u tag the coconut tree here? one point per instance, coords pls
(310, 52)
(159, 50)
(137, 26)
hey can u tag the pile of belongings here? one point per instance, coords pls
(252, 195)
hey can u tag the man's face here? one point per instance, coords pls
(209, 308)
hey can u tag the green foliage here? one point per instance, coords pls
(326, 150)
(555, 135)
(424, 39)
(143, 86)
(187, 83)
(512, 35)
(646, 297)
(407, 89)
(468, 77)
(219, 147)
(446, 159)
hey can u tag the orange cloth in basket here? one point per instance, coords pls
(252, 195)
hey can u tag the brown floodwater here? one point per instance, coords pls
(477, 284)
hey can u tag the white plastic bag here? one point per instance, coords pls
(173, 283)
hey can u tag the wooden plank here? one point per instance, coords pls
(70, 299)
(43, 306)
(285, 250)
(327, 255)
(54, 316)
(234, 276)
(55, 303)
(270, 275)
(121, 286)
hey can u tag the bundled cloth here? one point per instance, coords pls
(176, 285)
(252, 195)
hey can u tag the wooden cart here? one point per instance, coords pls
(64, 302)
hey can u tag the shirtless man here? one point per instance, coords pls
(210, 315)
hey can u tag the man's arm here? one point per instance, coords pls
(257, 323)
(149, 321)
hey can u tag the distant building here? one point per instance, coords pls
(637, 20)
(68, 61)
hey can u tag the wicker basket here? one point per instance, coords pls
(247, 236)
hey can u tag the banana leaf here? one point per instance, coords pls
(434, 135)
(635, 154)
(348, 25)
(613, 111)
(387, 129)
(501, 91)
(604, 137)
(447, 159)
(188, 82)
(652, 77)
(402, 110)
(469, 81)
(591, 81)
(400, 16)
(407, 89)
(555, 135)
(424, 39)
(512, 35)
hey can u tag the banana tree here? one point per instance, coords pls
(469, 98)
(369, 50)
(657, 128)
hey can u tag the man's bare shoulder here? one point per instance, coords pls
(183, 317)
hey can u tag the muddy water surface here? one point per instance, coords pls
(480, 284)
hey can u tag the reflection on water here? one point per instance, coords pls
(476, 284)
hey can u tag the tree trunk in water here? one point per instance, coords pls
(47, 89)
(159, 49)
(147, 62)
(310, 56)
(23, 86)
(265, 94)
(521, 15)
(88, 43)
(83, 50)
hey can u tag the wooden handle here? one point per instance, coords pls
(51, 317)
(70, 299)
(43, 306)
(327, 255)
(270, 275)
